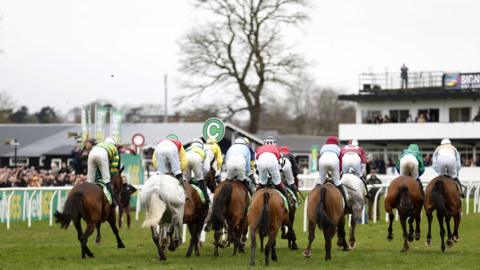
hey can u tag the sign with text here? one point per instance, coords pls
(456, 81)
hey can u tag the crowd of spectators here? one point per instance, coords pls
(31, 177)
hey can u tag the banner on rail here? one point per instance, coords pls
(40, 204)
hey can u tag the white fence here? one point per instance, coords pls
(36, 198)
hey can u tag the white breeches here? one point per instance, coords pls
(409, 166)
(196, 165)
(236, 165)
(98, 159)
(351, 163)
(329, 162)
(267, 164)
(446, 165)
(168, 160)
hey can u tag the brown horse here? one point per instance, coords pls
(88, 201)
(229, 211)
(289, 233)
(267, 214)
(405, 195)
(326, 210)
(443, 195)
(195, 212)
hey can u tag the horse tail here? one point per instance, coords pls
(405, 205)
(72, 211)
(323, 220)
(221, 202)
(438, 198)
(155, 209)
(264, 216)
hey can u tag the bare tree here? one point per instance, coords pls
(241, 50)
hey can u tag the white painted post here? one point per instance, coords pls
(184, 234)
(375, 201)
(138, 206)
(29, 210)
(305, 218)
(50, 209)
(39, 198)
(8, 208)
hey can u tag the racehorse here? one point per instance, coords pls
(442, 195)
(88, 201)
(290, 233)
(196, 211)
(325, 209)
(405, 195)
(229, 211)
(267, 214)
(164, 199)
(355, 189)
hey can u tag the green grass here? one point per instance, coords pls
(44, 247)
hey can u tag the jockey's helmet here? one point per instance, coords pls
(211, 140)
(445, 141)
(241, 140)
(270, 140)
(354, 142)
(332, 140)
(111, 140)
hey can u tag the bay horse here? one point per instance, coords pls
(229, 211)
(355, 189)
(443, 196)
(266, 215)
(325, 210)
(163, 198)
(87, 201)
(195, 212)
(405, 195)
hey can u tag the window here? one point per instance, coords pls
(369, 116)
(398, 116)
(459, 114)
(431, 115)
(21, 161)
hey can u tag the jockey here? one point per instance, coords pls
(446, 161)
(352, 157)
(214, 152)
(409, 156)
(329, 161)
(284, 150)
(197, 162)
(104, 157)
(238, 163)
(289, 168)
(170, 157)
(268, 157)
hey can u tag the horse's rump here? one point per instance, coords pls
(221, 201)
(404, 202)
(323, 220)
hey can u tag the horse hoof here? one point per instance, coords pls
(417, 236)
(339, 244)
(405, 249)
(307, 253)
(353, 245)
(294, 246)
(197, 254)
(428, 243)
(456, 238)
(98, 242)
(215, 254)
(410, 238)
(188, 255)
(346, 248)
(449, 243)
(390, 237)
(121, 245)
(443, 248)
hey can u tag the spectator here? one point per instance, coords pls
(76, 156)
(409, 119)
(386, 119)
(404, 76)
(421, 118)
(477, 117)
(477, 162)
(391, 166)
(372, 179)
(427, 161)
(124, 205)
(64, 168)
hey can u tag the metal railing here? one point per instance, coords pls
(393, 80)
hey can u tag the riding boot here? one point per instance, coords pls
(364, 181)
(421, 186)
(203, 187)
(348, 208)
(459, 187)
(110, 189)
(182, 183)
(281, 187)
(294, 189)
(218, 179)
(247, 185)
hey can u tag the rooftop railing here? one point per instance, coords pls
(393, 80)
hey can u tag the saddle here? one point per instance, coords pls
(105, 190)
(194, 184)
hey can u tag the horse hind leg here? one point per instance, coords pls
(113, 225)
(292, 237)
(192, 240)
(410, 225)
(84, 240)
(403, 222)
(353, 224)
(274, 252)
(78, 226)
(390, 220)
(269, 246)
(456, 220)
(428, 242)
(449, 231)
(99, 237)
(442, 230)
(156, 241)
(307, 253)
(418, 217)
(253, 246)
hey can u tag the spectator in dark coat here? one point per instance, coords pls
(124, 205)
(372, 179)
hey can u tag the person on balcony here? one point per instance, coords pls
(404, 76)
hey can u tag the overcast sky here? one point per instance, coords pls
(63, 52)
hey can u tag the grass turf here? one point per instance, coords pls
(44, 247)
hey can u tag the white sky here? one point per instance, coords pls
(62, 52)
